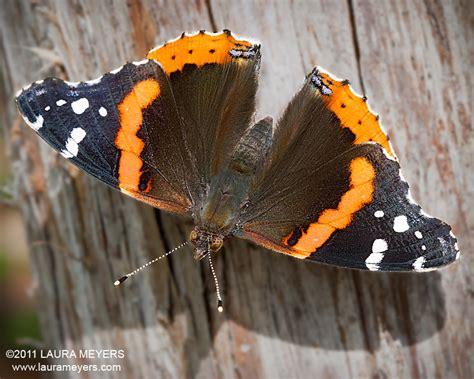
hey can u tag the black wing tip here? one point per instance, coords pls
(435, 248)
(28, 89)
(417, 265)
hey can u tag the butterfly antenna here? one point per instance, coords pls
(125, 277)
(220, 307)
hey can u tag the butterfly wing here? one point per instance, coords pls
(332, 190)
(214, 80)
(122, 128)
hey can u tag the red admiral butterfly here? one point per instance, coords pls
(176, 132)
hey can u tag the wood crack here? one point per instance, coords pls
(211, 16)
(355, 40)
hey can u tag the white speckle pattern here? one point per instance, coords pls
(385, 152)
(94, 81)
(72, 144)
(418, 264)
(103, 111)
(79, 106)
(47, 108)
(117, 70)
(444, 243)
(423, 247)
(316, 80)
(423, 213)
(139, 63)
(252, 41)
(410, 198)
(326, 91)
(379, 214)
(379, 246)
(400, 224)
(418, 235)
(60, 102)
(402, 177)
(37, 124)
(234, 53)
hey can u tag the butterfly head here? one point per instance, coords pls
(205, 242)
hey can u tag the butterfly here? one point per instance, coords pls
(177, 131)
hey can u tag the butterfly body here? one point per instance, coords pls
(177, 132)
(218, 217)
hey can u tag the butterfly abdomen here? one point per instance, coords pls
(253, 147)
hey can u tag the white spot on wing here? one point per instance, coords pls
(79, 106)
(66, 154)
(379, 246)
(47, 108)
(103, 111)
(418, 264)
(72, 144)
(418, 235)
(400, 224)
(78, 134)
(37, 124)
(373, 260)
(423, 247)
(379, 214)
(60, 102)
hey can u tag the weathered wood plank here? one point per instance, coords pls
(284, 318)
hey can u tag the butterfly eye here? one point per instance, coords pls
(193, 236)
(216, 244)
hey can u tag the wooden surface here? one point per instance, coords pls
(284, 318)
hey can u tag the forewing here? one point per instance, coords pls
(332, 190)
(214, 80)
(122, 128)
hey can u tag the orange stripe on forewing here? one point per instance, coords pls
(131, 118)
(360, 193)
(354, 113)
(199, 49)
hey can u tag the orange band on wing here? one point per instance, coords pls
(199, 49)
(353, 112)
(131, 146)
(360, 193)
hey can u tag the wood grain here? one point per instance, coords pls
(284, 318)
